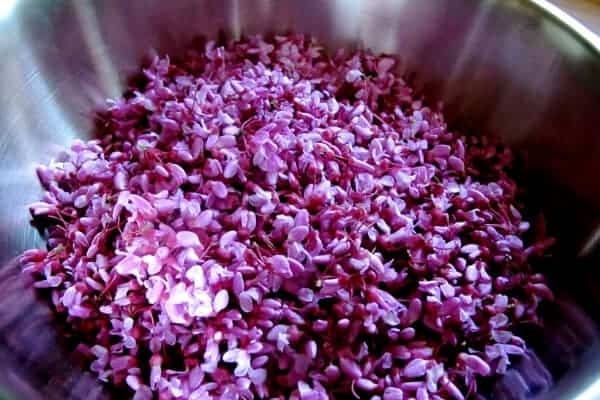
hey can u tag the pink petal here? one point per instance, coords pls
(281, 266)
(187, 239)
(298, 234)
(221, 300)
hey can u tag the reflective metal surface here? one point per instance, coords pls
(503, 67)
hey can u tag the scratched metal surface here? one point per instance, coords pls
(502, 67)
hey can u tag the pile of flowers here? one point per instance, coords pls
(263, 220)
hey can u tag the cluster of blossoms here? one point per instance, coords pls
(262, 220)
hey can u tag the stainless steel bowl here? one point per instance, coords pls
(504, 67)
